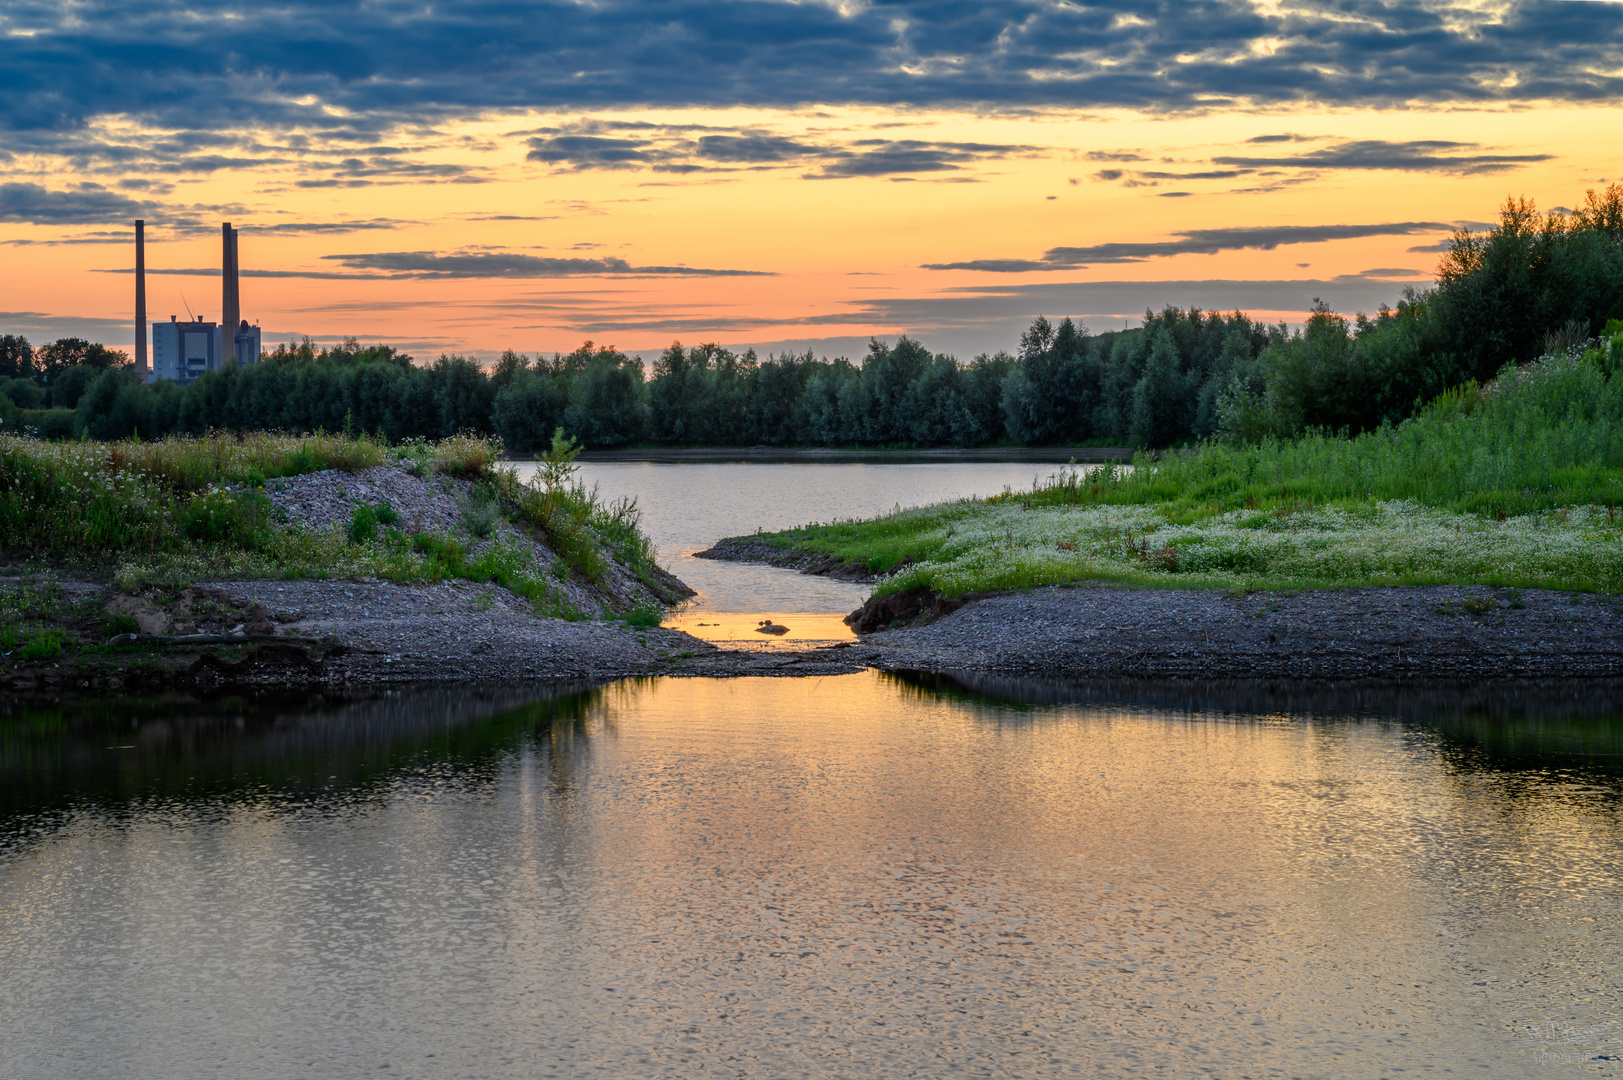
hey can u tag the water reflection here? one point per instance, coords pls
(1545, 726)
(110, 751)
(854, 876)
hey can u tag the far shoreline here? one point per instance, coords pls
(764, 455)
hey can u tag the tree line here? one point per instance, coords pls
(1528, 286)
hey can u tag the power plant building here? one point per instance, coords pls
(181, 351)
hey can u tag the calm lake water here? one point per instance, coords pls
(686, 508)
(859, 876)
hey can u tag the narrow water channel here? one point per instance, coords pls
(688, 507)
(861, 876)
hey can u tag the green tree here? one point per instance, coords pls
(63, 391)
(64, 353)
(115, 406)
(528, 410)
(606, 406)
(16, 357)
(24, 393)
(1161, 398)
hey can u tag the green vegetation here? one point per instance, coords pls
(188, 509)
(1534, 283)
(366, 517)
(1516, 483)
(24, 611)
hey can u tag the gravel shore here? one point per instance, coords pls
(1407, 633)
(1404, 633)
(354, 633)
(369, 632)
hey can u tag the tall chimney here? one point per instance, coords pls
(236, 286)
(228, 278)
(141, 300)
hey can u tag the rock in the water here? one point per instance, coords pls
(769, 627)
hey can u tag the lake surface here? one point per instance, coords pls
(860, 876)
(687, 508)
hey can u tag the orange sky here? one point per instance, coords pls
(839, 258)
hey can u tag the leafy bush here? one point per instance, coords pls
(24, 393)
(365, 518)
(561, 507)
(121, 624)
(466, 455)
(225, 516)
(50, 424)
(43, 645)
(644, 616)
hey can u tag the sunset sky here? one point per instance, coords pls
(474, 177)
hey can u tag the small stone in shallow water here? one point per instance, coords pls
(769, 627)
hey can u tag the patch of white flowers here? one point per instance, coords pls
(983, 546)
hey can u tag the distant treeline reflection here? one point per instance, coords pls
(1534, 284)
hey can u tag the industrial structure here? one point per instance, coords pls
(181, 351)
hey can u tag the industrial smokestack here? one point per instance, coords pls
(141, 299)
(236, 284)
(228, 287)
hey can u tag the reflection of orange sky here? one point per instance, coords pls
(830, 243)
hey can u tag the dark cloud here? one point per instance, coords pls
(83, 204)
(1425, 155)
(597, 144)
(592, 152)
(433, 266)
(357, 72)
(970, 320)
(39, 327)
(387, 169)
(214, 271)
(1208, 174)
(1428, 155)
(900, 158)
(1385, 273)
(753, 149)
(1192, 242)
(977, 319)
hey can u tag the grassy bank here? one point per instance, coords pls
(183, 509)
(1519, 483)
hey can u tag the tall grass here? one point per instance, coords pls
(187, 509)
(91, 500)
(1518, 483)
(1539, 437)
